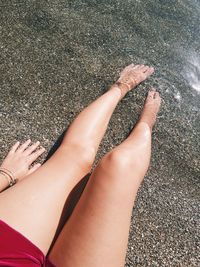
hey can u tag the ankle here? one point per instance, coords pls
(121, 88)
(148, 120)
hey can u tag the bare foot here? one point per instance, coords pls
(131, 76)
(151, 108)
(20, 157)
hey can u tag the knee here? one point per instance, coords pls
(82, 154)
(125, 162)
(87, 155)
(118, 160)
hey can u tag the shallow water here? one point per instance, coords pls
(57, 56)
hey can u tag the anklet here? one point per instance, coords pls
(8, 175)
(127, 84)
(122, 89)
(123, 83)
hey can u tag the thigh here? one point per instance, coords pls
(34, 206)
(96, 234)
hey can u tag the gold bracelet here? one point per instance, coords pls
(6, 177)
(9, 175)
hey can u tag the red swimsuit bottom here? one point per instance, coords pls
(17, 251)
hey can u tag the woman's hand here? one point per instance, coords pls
(20, 158)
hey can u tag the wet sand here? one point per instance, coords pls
(58, 56)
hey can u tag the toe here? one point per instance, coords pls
(145, 68)
(151, 93)
(141, 66)
(157, 98)
(157, 95)
(127, 69)
(136, 67)
(149, 71)
(153, 90)
(130, 67)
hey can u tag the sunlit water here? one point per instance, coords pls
(192, 72)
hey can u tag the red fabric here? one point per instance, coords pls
(17, 251)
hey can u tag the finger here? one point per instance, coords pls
(34, 168)
(35, 155)
(24, 146)
(14, 147)
(31, 148)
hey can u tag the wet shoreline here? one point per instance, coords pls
(56, 57)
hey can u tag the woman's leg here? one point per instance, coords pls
(96, 234)
(34, 206)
